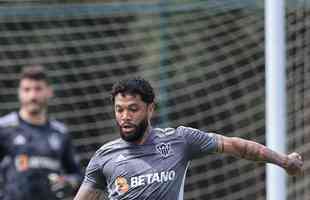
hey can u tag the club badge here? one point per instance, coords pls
(54, 142)
(164, 149)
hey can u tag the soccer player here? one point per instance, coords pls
(36, 152)
(151, 163)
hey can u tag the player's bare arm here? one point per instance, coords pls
(87, 193)
(251, 150)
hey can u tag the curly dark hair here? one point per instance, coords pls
(34, 72)
(134, 86)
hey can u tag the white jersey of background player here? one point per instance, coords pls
(147, 163)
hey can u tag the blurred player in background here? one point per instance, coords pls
(151, 163)
(38, 161)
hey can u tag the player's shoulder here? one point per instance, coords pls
(184, 129)
(9, 120)
(169, 133)
(165, 132)
(106, 151)
(190, 131)
(109, 146)
(58, 126)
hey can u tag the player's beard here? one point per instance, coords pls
(34, 107)
(138, 132)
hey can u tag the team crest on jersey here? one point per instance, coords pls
(54, 142)
(164, 149)
(19, 140)
(121, 185)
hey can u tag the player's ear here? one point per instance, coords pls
(50, 91)
(151, 108)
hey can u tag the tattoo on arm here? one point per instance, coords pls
(250, 150)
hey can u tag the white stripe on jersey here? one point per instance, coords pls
(181, 192)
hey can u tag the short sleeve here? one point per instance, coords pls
(3, 141)
(94, 175)
(199, 142)
(70, 160)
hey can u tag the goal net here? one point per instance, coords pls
(204, 58)
(298, 86)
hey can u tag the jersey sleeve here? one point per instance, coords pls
(3, 139)
(198, 142)
(93, 175)
(70, 160)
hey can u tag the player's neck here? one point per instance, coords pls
(35, 119)
(145, 136)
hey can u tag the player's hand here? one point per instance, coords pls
(56, 181)
(58, 185)
(294, 166)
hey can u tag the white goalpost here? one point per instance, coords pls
(275, 94)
